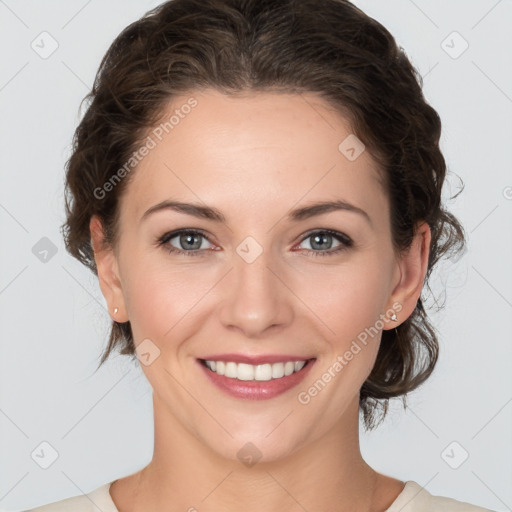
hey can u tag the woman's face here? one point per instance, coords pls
(267, 281)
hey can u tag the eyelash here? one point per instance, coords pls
(346, 242)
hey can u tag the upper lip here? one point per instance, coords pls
(255, 360)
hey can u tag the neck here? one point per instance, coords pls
(326, 474)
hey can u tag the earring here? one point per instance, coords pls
(115, 311)
(394, 317)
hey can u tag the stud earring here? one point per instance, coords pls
(115, 311)
(394, 317)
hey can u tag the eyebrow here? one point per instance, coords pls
(210, 213)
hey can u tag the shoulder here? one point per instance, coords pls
(98, 499)
(414, 498)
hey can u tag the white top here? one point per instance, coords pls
(413, 498)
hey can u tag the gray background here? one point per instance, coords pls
(54, 323)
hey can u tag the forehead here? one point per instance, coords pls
(255, 148)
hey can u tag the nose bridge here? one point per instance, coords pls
(255, 297)
(252, 268)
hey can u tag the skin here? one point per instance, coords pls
(254, 158)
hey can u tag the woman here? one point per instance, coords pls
(257, 185)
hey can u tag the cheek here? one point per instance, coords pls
(160, 297)
(350, 310)
(346, 298)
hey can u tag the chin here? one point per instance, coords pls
(256, 447)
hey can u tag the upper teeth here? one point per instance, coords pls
(243, 371)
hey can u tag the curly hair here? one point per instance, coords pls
(329, 47)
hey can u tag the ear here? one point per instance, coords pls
(108, 272)
(411, 270)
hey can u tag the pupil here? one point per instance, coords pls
(188, 239)
(320, 237)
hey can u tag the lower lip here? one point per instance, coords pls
(257, 389)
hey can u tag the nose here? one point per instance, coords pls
(257, 297)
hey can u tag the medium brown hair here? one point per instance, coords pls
(329, 47)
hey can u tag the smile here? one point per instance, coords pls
(255, 382)
(262, 372)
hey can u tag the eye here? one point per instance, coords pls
(322, 239)
(189, 242)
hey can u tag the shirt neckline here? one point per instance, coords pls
(410, 490)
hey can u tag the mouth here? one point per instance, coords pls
(255, 382)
